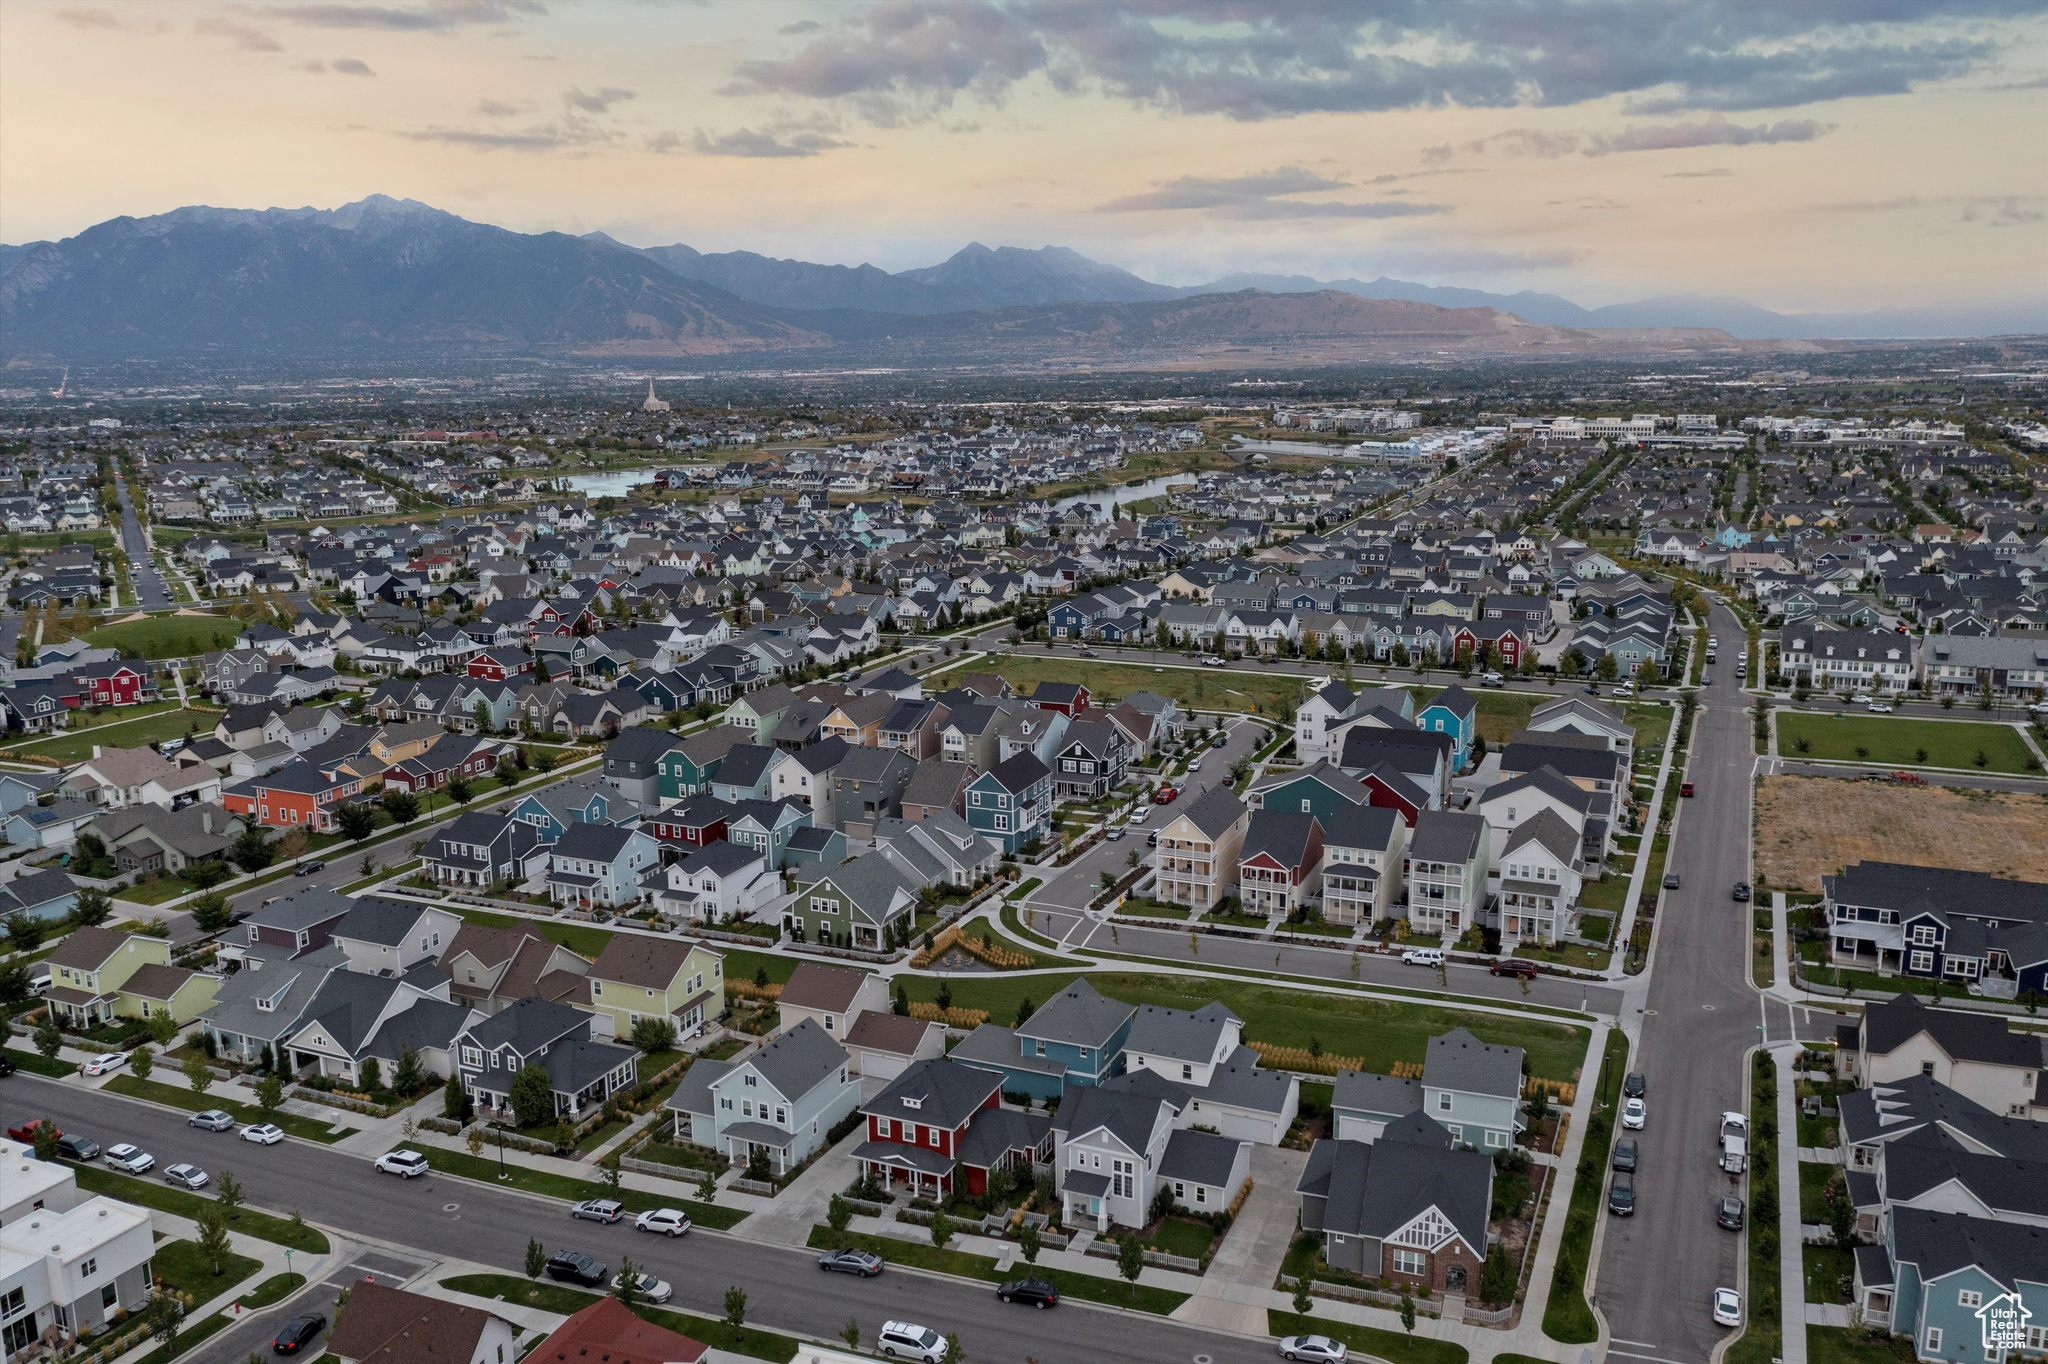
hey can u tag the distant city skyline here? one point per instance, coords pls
(1863, 154)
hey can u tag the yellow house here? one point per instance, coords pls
(858, 721)
(638, 977)
(395, 743)
(97, 975)
(1174, 585)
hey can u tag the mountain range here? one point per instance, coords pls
(384, 275)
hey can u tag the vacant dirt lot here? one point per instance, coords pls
(1808, 827)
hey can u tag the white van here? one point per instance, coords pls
(1423, 956)
(904, 1340)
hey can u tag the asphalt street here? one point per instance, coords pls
(443, 1218)
(1658, 1269)
(147, 583)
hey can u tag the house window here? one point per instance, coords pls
(1970, 1298)
(1201, 1194)
(1411, 1262)
(1443, 1103)
(1923, 961)
(1933, 1339)
(89, 1268)
(1187, 1072)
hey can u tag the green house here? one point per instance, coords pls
(687, 769)
(852, 904)
(1321, 790)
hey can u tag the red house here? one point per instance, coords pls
(939, 1112)
(1505, 637)
(695, 823)
(113, 683)
(1281, 861)
(468, 758)
(1068, 698)
(1393, 790)
(501, 665)
(296, 796)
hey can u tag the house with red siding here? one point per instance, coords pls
(1506, 636)
(940, 1115)
(1068, 698)
(693, 823)
(1281, 863)
(455, 756)
(296, 796)
(116, 682)
(501, 665)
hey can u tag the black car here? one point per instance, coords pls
(1634, 1086)
(1621, 1196)
(294, 1334)
(573, 1266)
(1671, 880)
(313, 868)
(76, 1147)
(1728, 1213)
(1037, 1292)
(1742, 890)
(1625, 1156)
(6, 1066)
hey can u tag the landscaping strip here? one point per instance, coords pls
(924, 1255)
(1762, 1337)
(273, 1289)
(751, 1341)
(485, 1171)
(1393, 1346)
(1567, 1317)
(35, 1063)
(183, 1266)
(191, 1101)
(280, 1231)
(187, 1338)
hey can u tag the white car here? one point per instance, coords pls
(213, 1120)
(129, 1157)
(1318, 1348)
(1727, 1307)
(1880, 708)
(1141, 814)
(1212, 661)
(1634, 1114)
(666, 1221)
(406, 1164)
(101, 1064)
(907, 1340)
(1423, 956)
(649, 1288)
(263, 1133)
(1713, 641)
(1195, 765)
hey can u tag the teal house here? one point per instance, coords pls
(1076, 1037)
(1452, 711)
(687, 769)
(1012, 801)
(1966, 1289)
(1320, 790)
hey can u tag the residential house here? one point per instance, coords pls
(353, 1017)
(482, 849)
(836, 998)
(868, 786)
(1012, 802)
(382, 936)
(120, 778)
(632, 763)
(688, 765)
(97, 975)
(1076, 1037)
(858, 904)
(69, 1265)
(582, 1071)
(1979, 1056)
(606, 1329)
(937, 787)
(490, 968)
(884, 1045)
(1196, 860)
(1452, 711)
(1094, 757)
(719, 882)
(1408, 1208)
(1445, 867)
(256, 1010)
(1472, 1088)
(939, 850)
(780, 1101)
(44, 896)
(386, 1325)
(637, 976)
(1280, 865)
(297, 921)
(1363, 857)
(937, 1117)
(600, 866)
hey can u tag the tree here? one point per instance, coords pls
(162, 1028)
(536, 1258)
(213, 1235)
(207, 874)
(942, 1229)
(1027, 1243)
(270, 1093)
(372, 1073)
(45, 1140)
(507, 771)
(252, 850)
(402, 806)
(356, 819)
(1607, 669)
(89, 857)
(230, 1195)
(707, 1186)
(735, 1307)
(481, 714)
(1304, 1301)
(626, 1288)
(210, 913)
(454, 1103)
(652, 1034)
(956, 1353)
(1841, 1211)
(901, 1008)
(609, 1173)
(459, 790)
(838, 1214)
(198, 1074)
(93, 907)
(533, 1096)
(140, 1061)
(49, 1041)
(1025, 1008)
(850, 1333)
(1497, 1280)
(1407, 1311)
(24, 934)
(406, 1076)
(1130, 1260)
(164, 1314)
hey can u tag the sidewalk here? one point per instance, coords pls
(1791, 1267)
(270, 1260)
(1233, 1295)
(790, 1215)
(1649, 841)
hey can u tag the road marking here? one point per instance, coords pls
(1630, 1354)
(1647, 1345)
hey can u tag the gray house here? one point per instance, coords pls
(492, 1051)
(868, 787)
(632, 764)
(782, 1100)
(260, 1005)
(1472, 1088)
(1410, 1207)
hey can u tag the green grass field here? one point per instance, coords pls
(1898, 741)
(168, 636)
(76, 745)
(1203, 689)
(181, 1265)
(1396, 1346)
(277, 1230)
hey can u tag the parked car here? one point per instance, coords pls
(106, 1061)
(1634, 1085)
(1115, 832)
(1165, 795)
(1625, 1155)
(7, 1066)
(1219, 741)
(39, 980)
(1320, 1349)
(1493, 680)
(1728, 1213)
(403, 1163)
(1621, 1196)
(1037, 1292)
(864, 1263)
(573, 1266)
(1671, 880)
(26, 1133)
(1880, 708)
(130, 1157)
(1742, 891)
(1634, 1113)
(1727, 1307)
(906, 1340)
(1685, 789)
(649, 1288)
(313, 868)
(1194, 764)
(666, 1221)
(294, 1334)
(1514, 966)
(606, 1210)
(76, 1147)
(1152, 839)
(213, 1120)
(1141, 814)
(189, 1176)
(263, 1133)
(1212, 661)
(1423, 956)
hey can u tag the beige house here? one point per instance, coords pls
(1196, 860)
(119, 778)
(489, 968)
(393, 744)
(638, 977)
(834, 997)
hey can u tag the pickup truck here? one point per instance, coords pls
(1734, 1143)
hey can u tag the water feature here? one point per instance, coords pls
(608, 485)
(1129, 492)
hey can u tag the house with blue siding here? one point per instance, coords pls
(1012, 801)
(1967, 927)
(1452, 711)
(1966, 1289)
(1076, 1037)
(551, 812)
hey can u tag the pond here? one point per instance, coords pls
(1129, 492)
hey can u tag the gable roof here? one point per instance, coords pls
(385, 1325)
(830, 989)
(798, 1060)
(1458, 1060)
(1077, 1016)
(935, 1092)
(1158, 1031)
(608, 1331)
(1963, 1036)
(638, 959)
(1214, 811)
(1282, 835)
(87, 948)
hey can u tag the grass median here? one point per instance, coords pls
(246, 1221)
(183, 1266)
(188, 1338)
(1762, 1339)
(1567, 1317)
(191, 1101)
(484, 1169)
(1900, 741)
(962, 1264)
(273, 1289)
(751, 1341)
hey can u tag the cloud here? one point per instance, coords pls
(497, 108)
(432, 17)
(316, 66)
(1713, 174)
(548, 138)
(800, 26)
(243, 36)
(598, 102)
(908, 59)
(87, 18)
(1264, 196)
(1715, 131)
(750, 142)
(351, 66)
(2008, 210)
(1532, 142)
(1437, 155)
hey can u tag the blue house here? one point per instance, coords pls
(553, 811)
(1452, 711)
(1076, 1037)
(46, 896)
(1012, 801)
(1073, 619)
(664, 691)
(767, 826)
(1964, 1288)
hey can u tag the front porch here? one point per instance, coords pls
(924, 1173)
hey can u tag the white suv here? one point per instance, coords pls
(904, 1340)
(404, 1164)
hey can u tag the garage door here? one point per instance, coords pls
(1245, 1126)
(882, 1065)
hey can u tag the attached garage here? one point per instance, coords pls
(883, 1045)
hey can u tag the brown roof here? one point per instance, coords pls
(87, 949)
(529, 954)
(635, 959)
(608, 1330)
(984, 684)
(156, 981)
(385, 1325)
(830, 988)
(893, 1033)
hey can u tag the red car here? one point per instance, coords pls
(1685, 788)
(1514, 966)
(1164, 796)
(26, 1133)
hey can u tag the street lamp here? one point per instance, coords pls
(501, 1155)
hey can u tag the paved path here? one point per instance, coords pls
(1791, 1264)
(1237, 1290)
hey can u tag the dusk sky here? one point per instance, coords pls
(1843, 155)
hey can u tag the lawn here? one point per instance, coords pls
(1567, 1317)
(588, 940)
(1813, 1186)
(550, 1297)
(1842, 1345)
(167, 636)
(1239, 688)
(1178, 1236)
(925, 1255)
(272, 1289)
(1826, 1267)
(188, 1337)
(1898, 741)
(181, 1265)
(1380, 1032)
(78, 744)
(1394, 1346)
(485, 1170)
(182, 1096)
(277, 1230)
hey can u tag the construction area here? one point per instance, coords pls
(1809, 827)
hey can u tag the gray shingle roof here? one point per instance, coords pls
(1365, 1091)
(1965, 1037)
(1215, 810)
(528, 1025)
(302, 909)
(1458, 1060)
(1362, 826)
(1127, 1116)
(1282, 835)
(1446, 836)
(996, 1046)
(693, 1095)
(1378, 1189)
(1077, 1016)
(1199, 1158)
(1940, 1243)
(797, 1060)
(1158, 1031)
(376, 919)
(935, 1092)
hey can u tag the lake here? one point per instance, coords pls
(1129, 492)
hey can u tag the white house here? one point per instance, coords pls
(66, 1262)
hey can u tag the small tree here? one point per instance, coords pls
(402, 806)
(164, 1314)
(198, 1074)
(735, 1307)
(270, 1093)
(46, 1135)
(533, 1096)
(406, 1076)
(24, 934)
(1304, 1300)
(942, 1229)
(140, 1061)
(838, 1215)
(230, 1193)
(1130, 1261)
(252, 850)
(372, 1073)
(1027, 1243)
(707, 1186)
(162, 1028)
(49, 1041)
(454, 1103)
(608, 1171)
(626, 1288)
(536, 1258)
(850, 1333)
(213, 1235)
(210, 912)
(93, 908)
(652, 1034)
(459, 790)
(1497, 1279)
(473, 1141)
(956, 1353)
(356, 819)
(1407, 1310)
